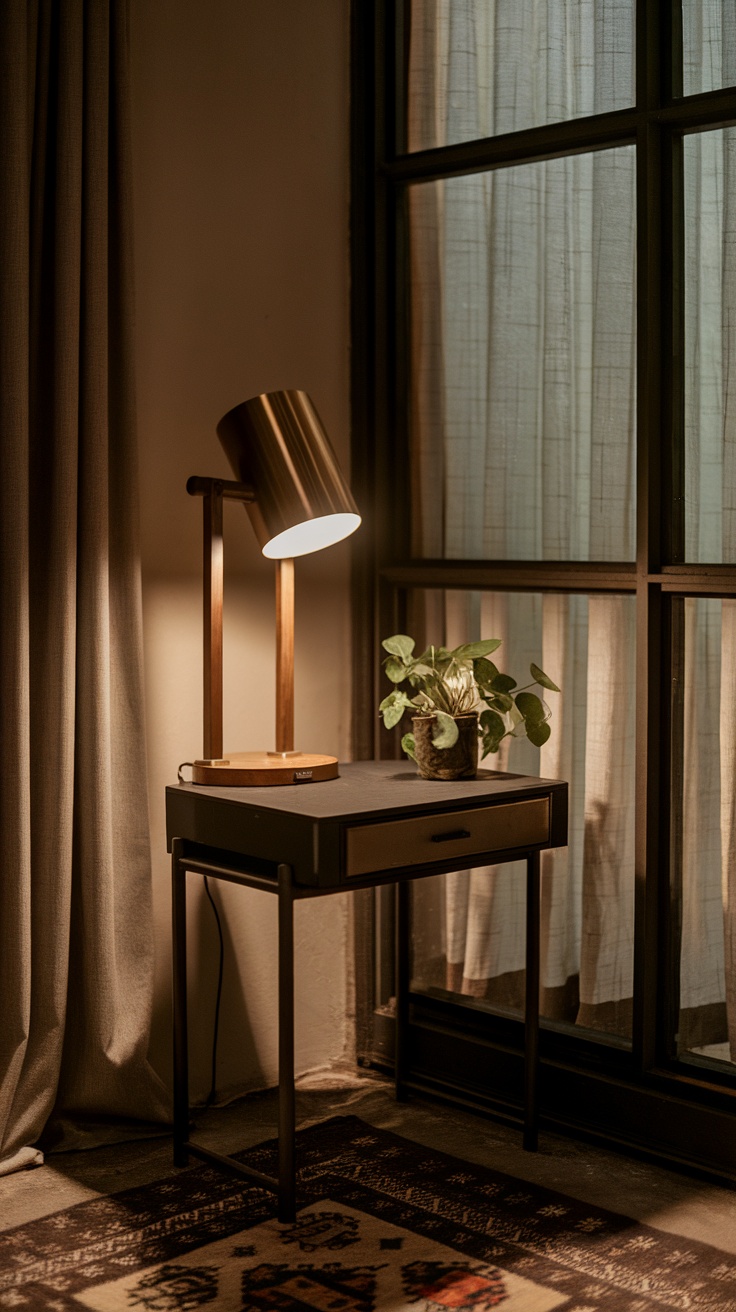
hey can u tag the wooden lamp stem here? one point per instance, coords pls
(284, 655)
(212, 622)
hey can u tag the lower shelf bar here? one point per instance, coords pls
(199, 867)
(220, 1159)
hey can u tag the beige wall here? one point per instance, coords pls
(241, 202)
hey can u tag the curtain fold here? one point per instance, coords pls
(76, 950)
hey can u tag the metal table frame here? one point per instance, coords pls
(187, 857)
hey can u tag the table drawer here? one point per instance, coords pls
(425, 839)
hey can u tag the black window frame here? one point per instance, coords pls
(693, 1105)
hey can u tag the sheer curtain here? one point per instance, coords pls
(708, 949)
(523, 431)
(75, 898)
(523, 350)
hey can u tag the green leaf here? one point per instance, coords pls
(472, 651)
(434, 656)
(531, 708)
(540, 677)
(394, 698)
(492, 722)
(392, 715)
(392, 707)
(395, 669)
(399, 645)
(447, 732)
(408, 746)
(537, 733)
(494, 730)
(503, 683)
(501, 701)
(484, 672)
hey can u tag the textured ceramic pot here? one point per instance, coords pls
(457, 762)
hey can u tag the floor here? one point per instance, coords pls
(678, 1203)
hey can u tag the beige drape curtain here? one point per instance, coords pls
(75, 896)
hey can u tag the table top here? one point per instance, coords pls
(313, 825)
(367, 789)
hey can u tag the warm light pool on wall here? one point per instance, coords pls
(298, 501)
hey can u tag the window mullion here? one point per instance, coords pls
(653, 652)
(648, 828)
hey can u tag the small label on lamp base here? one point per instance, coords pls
(262, 769)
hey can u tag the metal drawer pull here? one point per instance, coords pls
(447, 838)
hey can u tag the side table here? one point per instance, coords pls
(378, 823)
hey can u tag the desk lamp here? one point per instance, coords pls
(298, 501)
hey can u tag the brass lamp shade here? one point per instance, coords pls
(277, 443)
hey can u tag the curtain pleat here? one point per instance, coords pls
(16, 107)
(75, 923)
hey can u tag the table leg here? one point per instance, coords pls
(531, 1017)
(287, 1109)
(401, 988)
(181, 1056)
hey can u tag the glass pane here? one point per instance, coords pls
(469, 927)
(710, 346)
(478, 68)
(706, 792)
(708, 45)
(523, 350)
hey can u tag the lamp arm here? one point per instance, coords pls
(198, 486)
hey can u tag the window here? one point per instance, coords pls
(545, 415)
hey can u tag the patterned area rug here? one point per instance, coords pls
(388, 1226)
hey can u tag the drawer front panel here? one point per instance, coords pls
(424, 839)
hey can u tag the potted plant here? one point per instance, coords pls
(457, 698)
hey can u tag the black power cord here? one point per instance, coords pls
(213, 1088)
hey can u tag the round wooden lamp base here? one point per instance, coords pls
(261, 769)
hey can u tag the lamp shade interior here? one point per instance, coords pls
(277, 442)
(311, 535)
